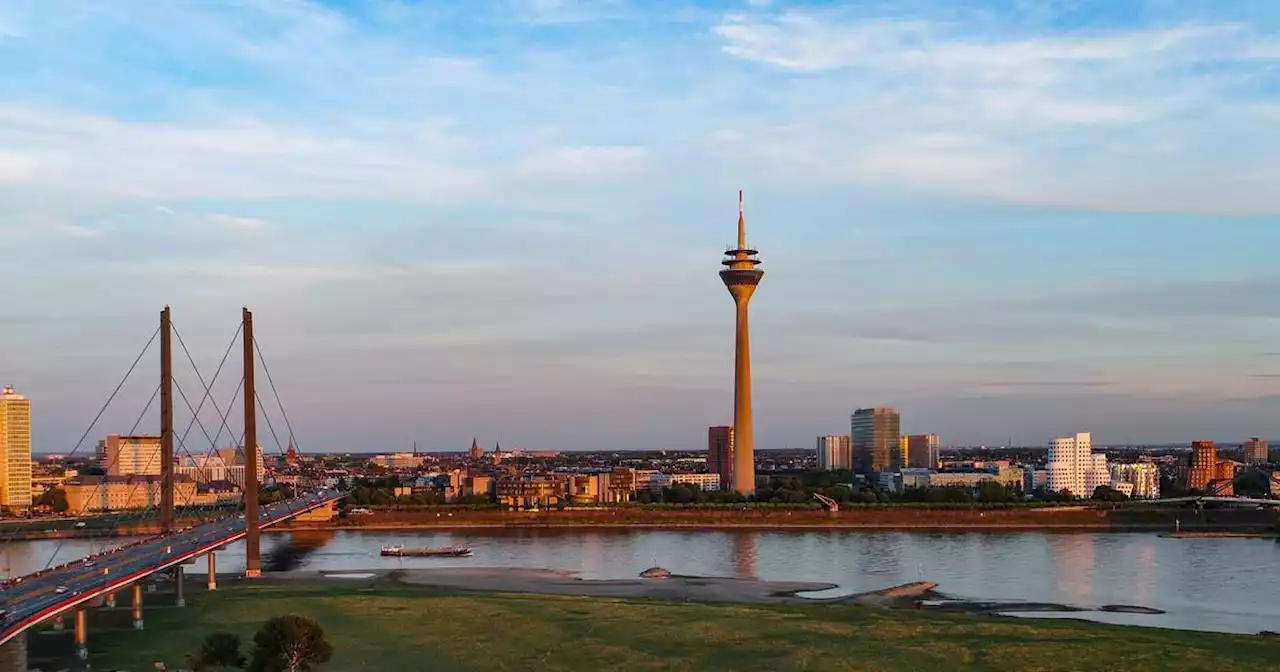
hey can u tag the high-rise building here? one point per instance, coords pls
(1140, 480)
(15, 449)
(234, 457)
(874, 439)
(921, 451)
(720, 452)
(741, 278)
(835, 452)
(1256, 451)
(1073, 466)
(1204, 465)
(130, 455)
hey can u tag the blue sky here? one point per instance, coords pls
(504, 218)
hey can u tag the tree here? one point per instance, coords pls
(289, 643)
(1106, 494)
(220, 649)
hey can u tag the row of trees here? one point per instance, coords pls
(288, 643)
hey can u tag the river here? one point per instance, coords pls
(1218, 584)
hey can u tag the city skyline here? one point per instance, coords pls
(1003, 220)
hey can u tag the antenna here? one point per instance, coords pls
(742, 224)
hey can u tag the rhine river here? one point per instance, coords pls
(1220, 584)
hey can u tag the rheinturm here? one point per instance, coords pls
(741, 277)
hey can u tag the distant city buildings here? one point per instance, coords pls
(476, 451)
(1256, 451)
(130, 455)
(118, 493)
(920, 451)
(1139, 481)
(720, 452)
(15, 450)
(874, 436)
(1074, 467)
(835, 452)
(398, 461)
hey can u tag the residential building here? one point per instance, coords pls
(720, 452)
(130, 455)
(835, 452)
(1256, 451)
(1140, 480)
(525, 491)
(921, 451)
(234, 457)
(15, 449)
(117, 493)
(1074, 467)
(874, 439)
(204, 468)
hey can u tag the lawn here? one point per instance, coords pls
(386, 626)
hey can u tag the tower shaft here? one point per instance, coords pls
(744, 458)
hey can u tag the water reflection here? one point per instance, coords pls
(744, 554)
(1210, 583)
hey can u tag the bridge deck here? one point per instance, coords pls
(34, 598)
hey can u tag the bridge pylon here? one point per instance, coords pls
(252, 558)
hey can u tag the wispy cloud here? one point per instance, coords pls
(236, 224)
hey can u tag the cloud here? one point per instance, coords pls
(240, 225)
(1113, 120)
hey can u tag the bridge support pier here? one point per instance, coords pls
(179, 578)
(111, 600)
(213, 571)
(137, 606)
(82, 635)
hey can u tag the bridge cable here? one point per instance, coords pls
(141, 516)
(271, 426)
(104, 478)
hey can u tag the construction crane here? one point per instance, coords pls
(826, 501)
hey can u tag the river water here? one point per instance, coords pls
(1219, 584)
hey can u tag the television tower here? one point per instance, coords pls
(741, 278)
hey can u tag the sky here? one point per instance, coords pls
(503, 219)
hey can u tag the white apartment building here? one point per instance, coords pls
(657, 481)
(205, 468)
(706, 482)
(1140, 481)
(130, 455)
(15, 449)
(1074, 467)
(834, 452)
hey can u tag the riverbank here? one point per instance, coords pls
(380, 622)
(1183, 522)
(1063, 518)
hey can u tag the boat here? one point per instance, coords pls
(449, 552)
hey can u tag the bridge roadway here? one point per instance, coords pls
(34, 598)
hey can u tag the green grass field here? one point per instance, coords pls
(391, 627)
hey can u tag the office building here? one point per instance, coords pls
(835, 452)
(1139, 481)
(1256, 451)
(130, 455)
(720, 452)
(1208, 473)
(234, 459)
(921, 451)
(15, 450)
(1073, 466)
(205, 468)
(120, 493)
(741, 278)
(874, 440)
